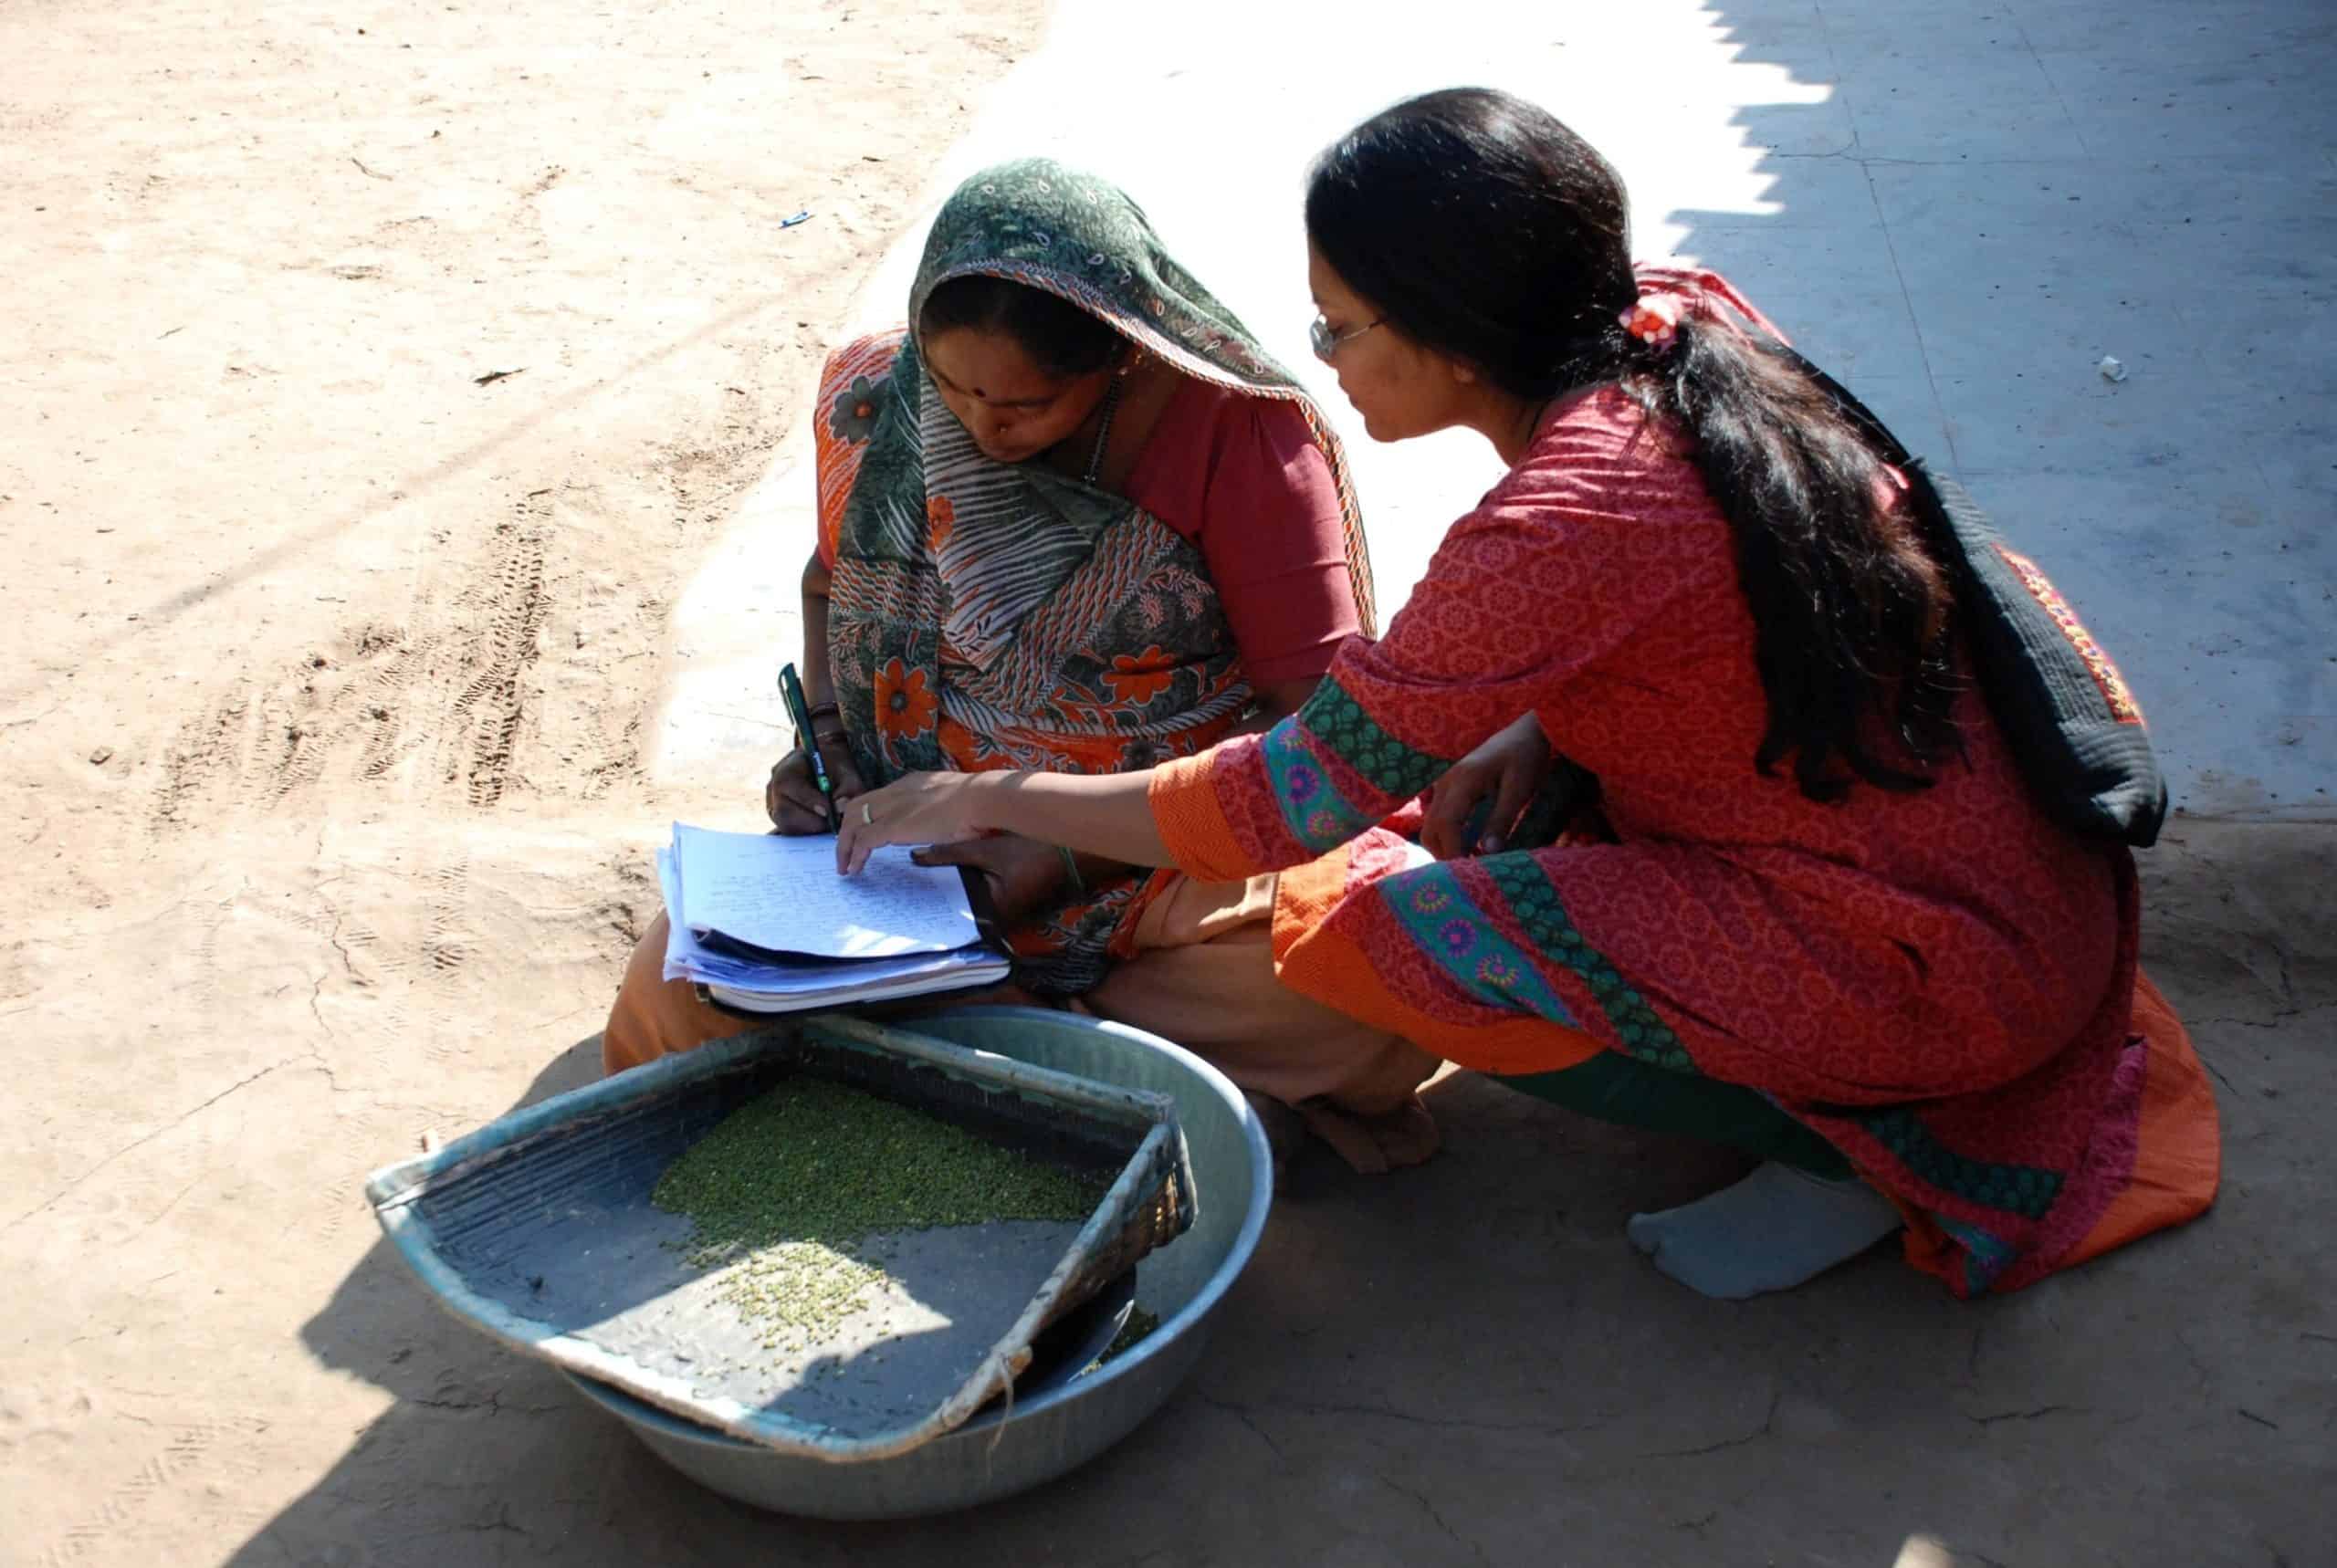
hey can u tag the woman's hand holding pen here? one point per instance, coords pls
(791, 797)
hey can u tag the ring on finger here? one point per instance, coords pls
(867, 818)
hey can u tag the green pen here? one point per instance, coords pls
(791, 690)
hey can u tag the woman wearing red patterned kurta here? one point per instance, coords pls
(1822, 917)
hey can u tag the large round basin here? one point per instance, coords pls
(1008, 1449)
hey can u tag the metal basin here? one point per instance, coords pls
(1005, 1450)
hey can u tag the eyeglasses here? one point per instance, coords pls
(1327, 342)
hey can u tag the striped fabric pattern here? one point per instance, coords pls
(986, 615)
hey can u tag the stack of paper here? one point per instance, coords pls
(765, 924)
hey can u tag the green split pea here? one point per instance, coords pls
(787, 1190)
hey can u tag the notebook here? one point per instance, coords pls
(763, 922)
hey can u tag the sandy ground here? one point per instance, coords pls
(330, 657)
(326, 664)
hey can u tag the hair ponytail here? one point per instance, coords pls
(1851, 607)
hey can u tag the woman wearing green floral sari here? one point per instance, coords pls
(1079, 521)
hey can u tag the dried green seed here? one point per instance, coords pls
(786, 1188)
(1132, 1333)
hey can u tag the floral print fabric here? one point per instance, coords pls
(986, 615)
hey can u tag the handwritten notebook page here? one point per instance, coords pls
(779, 985)
(783, 893)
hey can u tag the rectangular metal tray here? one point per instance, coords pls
(539, 1229)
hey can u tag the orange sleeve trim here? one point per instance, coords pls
(1183, 797)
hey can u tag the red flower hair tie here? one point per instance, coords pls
(1654, 319)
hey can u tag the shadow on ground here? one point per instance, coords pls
(1465, 1363)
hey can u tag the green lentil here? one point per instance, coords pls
(787, 1189)
(1133, 1333)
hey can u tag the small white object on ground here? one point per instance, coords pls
(429, 1140)
(1771, 1231)
(2111, 369)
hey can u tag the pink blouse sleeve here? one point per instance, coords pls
(1270, 530)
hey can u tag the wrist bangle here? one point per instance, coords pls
(1071, 869)
(830, 735)
(816, 709)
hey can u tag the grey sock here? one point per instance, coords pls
(1771, 1231)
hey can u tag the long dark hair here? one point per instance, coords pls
(1480, 227)
(1061, 338)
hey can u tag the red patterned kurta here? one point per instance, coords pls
(1942, 983)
